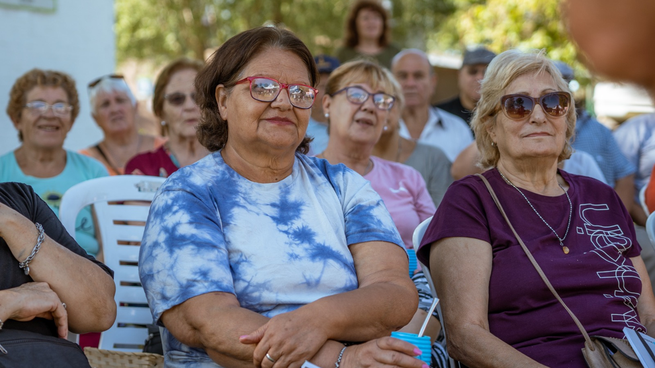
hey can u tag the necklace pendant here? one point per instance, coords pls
(565, 249)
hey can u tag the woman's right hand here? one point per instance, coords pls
(382, 352)
(36, 299)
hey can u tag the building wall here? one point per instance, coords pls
(76, 38)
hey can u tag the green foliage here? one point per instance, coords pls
(504, 24)
(165, 29)
(160, 30)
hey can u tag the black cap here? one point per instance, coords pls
(479, 55)
(326, 63)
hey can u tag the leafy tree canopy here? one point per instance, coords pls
(160, 30)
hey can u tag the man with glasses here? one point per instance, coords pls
(421, 122)
(468, 79)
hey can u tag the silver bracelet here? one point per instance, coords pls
(338, 362)
(25, 265)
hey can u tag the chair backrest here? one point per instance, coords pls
(642, 199)
(650, 228)
(120, 205)
(416, 241)
(417, 237)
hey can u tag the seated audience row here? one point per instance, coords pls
(335, 241)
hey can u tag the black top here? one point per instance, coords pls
(455, 107)
(24, 200)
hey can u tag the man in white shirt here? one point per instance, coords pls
(420, 121)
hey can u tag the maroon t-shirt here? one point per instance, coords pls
(596, 279)
(153, 163)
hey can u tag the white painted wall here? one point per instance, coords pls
(77, 38)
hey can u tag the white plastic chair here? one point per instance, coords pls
(120, 211)
(650, 228)
(642, 199)
(417, 237)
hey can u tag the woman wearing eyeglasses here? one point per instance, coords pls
(498, 311)
(174, 103)
(43, 105)
(357, 102)
(259, 255)
(114, 109)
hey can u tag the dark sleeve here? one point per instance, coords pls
(41, 213)
(461, 213)
(135, 166)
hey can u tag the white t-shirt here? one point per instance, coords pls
(444, 130)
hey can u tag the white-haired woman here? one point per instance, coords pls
(114, 109)
(498, 311)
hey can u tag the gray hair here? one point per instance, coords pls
(417, 52)
(108, 84)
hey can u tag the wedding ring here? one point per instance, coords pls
(64, 304)
(269, 358)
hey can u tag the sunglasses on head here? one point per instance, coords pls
(95, 82)
(179, 98)
(518, 106)
(359, 96)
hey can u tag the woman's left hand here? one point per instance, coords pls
(288, 338)
(37, 299)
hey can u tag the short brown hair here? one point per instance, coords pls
(40, 78)
(225, 66)
(360, 71)
(351, 38)
(165, 77)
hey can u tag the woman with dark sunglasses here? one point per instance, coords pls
(174, 102)
(258, 255)
(498, 311)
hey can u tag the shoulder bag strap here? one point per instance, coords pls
(533, 261)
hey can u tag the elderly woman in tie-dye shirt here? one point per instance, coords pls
(260, 256)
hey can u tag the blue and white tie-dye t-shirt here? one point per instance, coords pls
(276, 246)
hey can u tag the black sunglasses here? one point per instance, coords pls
(179, 98)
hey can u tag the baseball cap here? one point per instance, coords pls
(478, 55)
(565, 69)
(326, 63)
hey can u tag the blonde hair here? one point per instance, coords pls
(360, 71)
(502, 71)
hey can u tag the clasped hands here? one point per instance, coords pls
(285, 341)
